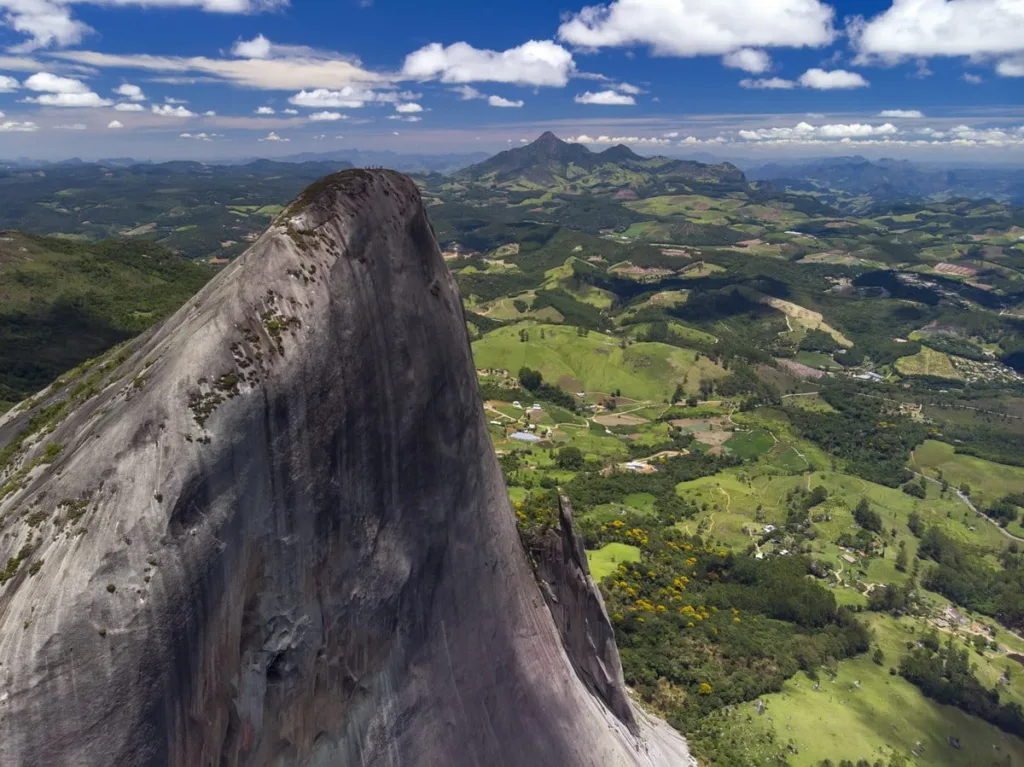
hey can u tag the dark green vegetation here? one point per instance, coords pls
(967, 579)
(945, 675)
(788, 416)
(872, 438)
(63, 302)
(196, 209)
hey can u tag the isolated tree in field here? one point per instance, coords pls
(678, 394)
(530, 379)
(915, 524)
(901, 557)
(570, 458)
(866, 517)
(818, 495)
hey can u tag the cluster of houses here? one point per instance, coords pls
(535, 407)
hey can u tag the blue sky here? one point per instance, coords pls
(926, 79)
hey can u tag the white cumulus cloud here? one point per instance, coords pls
(266, 111)
(694, 140)
(127, 107)
(856, 130)
(130, 92)
(701, 27)
(537, 62)
(18, 127)
(836, 79)
(274, 137)
(749, 60)
(467, 92)
(410, 107)
(327, 116)
(80, 100)
(57, 91)
(51, 83)
(166, 110)
(8, 84)
(45, 23)
(805, 130)
(115, 125)
(498, 101)
(905, 114)
(926, 28)
(1012, 67)
(257, 48)
(615, 140)
(605, 98)
(349, 97)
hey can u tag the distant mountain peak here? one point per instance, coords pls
(553, 163)
(620, 153)
(547, 137)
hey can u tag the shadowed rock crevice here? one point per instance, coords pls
(307, 556)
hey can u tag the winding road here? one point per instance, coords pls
(972, 507)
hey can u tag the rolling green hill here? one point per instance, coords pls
(595, 362)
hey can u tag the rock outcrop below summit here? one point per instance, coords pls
(272, 531)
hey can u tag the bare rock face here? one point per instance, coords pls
(560, 565)
(272, 531)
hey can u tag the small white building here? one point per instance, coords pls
(517, 405)
(534, 406)
(769, 528)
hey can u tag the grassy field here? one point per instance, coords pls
(750, 444)
(816, 360)
(706, 210)
(730, 501)
(866, 713)
(596, 362)
(604, 560)
(989, 481)
(927, 362)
